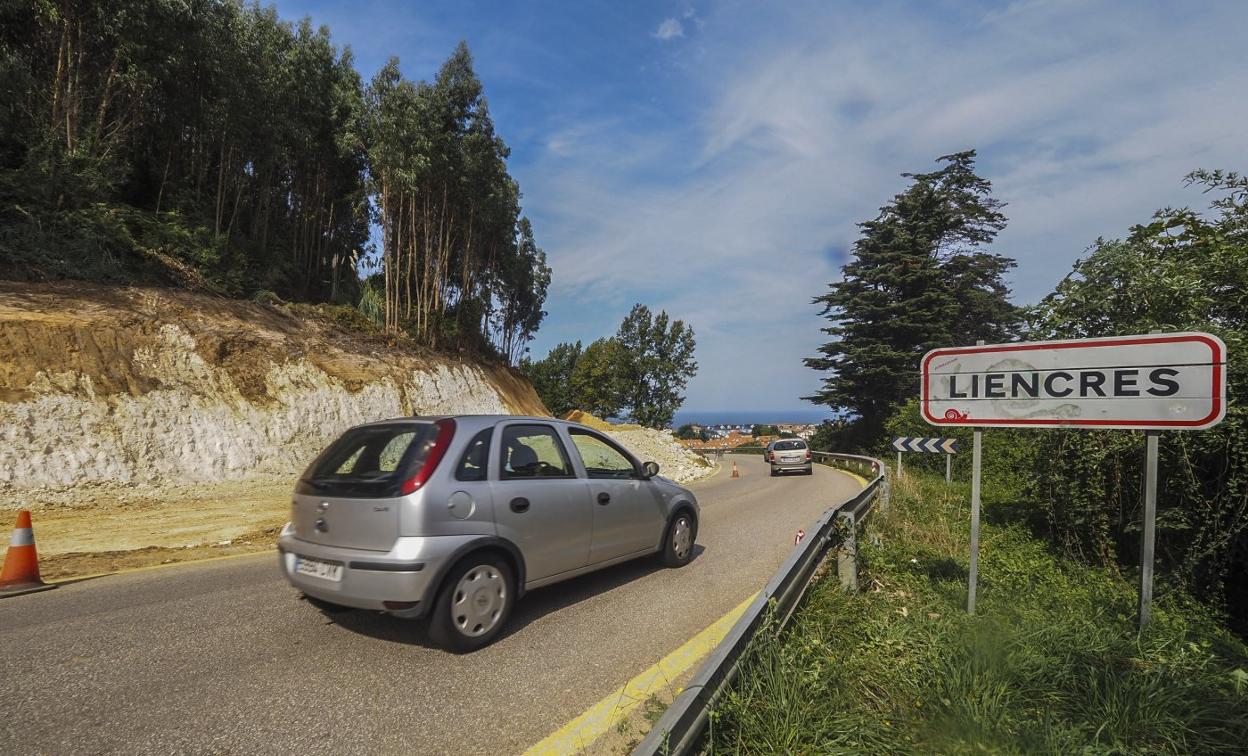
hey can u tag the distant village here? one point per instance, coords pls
(728, 436)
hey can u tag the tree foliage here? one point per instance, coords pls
(600, 378)
(551, 377)
(919, 278)
(1183, 270)
(641, 371)
(457, 256)
(661, 364)
(214, 146)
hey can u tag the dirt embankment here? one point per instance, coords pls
(135, 418)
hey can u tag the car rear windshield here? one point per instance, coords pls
(789, 445)
(371, 461)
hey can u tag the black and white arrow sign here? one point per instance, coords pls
(934, 445)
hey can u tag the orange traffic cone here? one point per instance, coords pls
(735, 474)
(21, 563)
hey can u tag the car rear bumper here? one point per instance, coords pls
(790, 466)
(407, 573)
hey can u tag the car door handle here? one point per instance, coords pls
(520, 505)
(604, 498)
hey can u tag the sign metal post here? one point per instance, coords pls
(977, 447)
(948, 469)
(1150, 527)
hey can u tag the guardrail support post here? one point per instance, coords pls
(847, 554)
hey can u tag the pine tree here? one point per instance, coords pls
(919, 278)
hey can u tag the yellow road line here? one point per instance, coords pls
(607, 713)
(272, 552)
(861, 480)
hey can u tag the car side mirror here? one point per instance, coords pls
(650, 469)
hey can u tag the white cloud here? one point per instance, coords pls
(1086, 118)
(669, 29)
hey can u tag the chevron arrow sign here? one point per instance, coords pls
(934, 445)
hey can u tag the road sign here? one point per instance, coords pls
(1154, 381)
(935, 445)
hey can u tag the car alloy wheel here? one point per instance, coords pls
(682, 537)
(479, 600)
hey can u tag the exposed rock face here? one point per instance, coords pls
(152, 387)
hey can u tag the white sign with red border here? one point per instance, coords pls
(1167, 381)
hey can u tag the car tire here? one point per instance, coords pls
(680, 538)
(466, 615)
(810, 471)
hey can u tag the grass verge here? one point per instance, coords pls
(1051, 663)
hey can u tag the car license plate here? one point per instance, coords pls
(318, 569)
(790, 459)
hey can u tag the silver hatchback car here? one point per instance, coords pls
(454, 518)
(789, 454)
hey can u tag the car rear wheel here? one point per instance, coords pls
(682, 531)
(473, 605)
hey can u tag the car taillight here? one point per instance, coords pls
(808, 455)
(446, 431)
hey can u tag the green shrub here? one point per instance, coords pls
(1051, 663)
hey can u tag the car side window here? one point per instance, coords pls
(601, 458)
(472, 466)
(532, 451)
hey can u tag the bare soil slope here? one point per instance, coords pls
(150, 421)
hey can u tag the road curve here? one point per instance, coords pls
(223, 657)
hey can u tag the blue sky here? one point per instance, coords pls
(712, 158)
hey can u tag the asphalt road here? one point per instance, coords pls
(224, 657)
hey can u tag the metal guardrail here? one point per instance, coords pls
(680, 728)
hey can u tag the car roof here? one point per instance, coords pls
(479, 422)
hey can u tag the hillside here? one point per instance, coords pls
(176, 420)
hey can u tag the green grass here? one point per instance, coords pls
(1051, 663)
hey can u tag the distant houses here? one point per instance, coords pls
(732, 435)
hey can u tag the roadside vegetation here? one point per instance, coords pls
(218, 148)
(921, 276)
(1051, 663)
